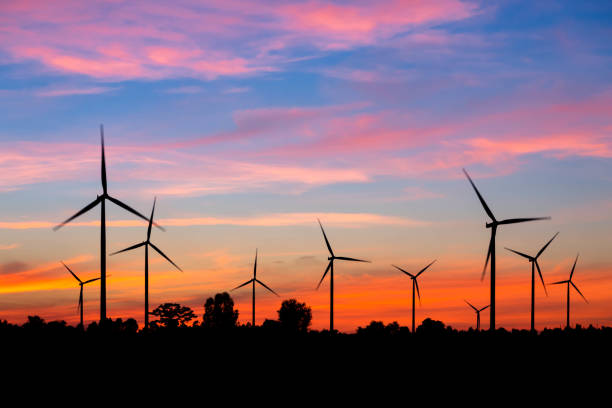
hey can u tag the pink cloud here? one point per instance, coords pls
(298, 148)
(95, 90)
(125, 40)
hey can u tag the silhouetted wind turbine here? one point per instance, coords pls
(491, 251)
(148, 244)
(534, 264)
(254, 281)
(101, 199)
(330, 268)
(81, 284)
(569, 282)
(477, 313)
(415, 284)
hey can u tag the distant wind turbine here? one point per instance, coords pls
(101, 199)
(534, 264)
(477, 313)
(415, 284)
(330, 268)
(148, 244)
(254, 281)
(569, 282)
(491, 251)
(81, 284)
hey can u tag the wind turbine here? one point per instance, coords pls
(534, 264)
(330, 268)
(477, 313)
(569, 282)
(101, 199)
(81, 284)
(254, 281)
(148, 244)
(491, 251)
(415, 284)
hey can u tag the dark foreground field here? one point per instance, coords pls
(245, 353)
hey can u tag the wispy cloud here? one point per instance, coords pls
(348, 220)
(237, 90)
(153, 40)
(7, 247)
(185, 90)
(74, 91)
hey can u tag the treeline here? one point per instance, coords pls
(293, 317)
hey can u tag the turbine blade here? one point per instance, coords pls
(470, 305)
(244, 284)
(159, 251)
(255, 267)
(326, 240)
(407, 273)
(541, 278)
(83, 211)
(558, 283)
(486, 307)
(72, 273)
(484, 270)
(264, 285)
(416, 283)
(129, 248)
(151, 220)
(425, 268)
(92, 280)
(325, 273)
(546, 246)
(482, 201)
(517, 220)
(573, 268)
(103, 169)
(80, 305)
(519, 253)
(133, 211)
(578, 290)
(343, 258)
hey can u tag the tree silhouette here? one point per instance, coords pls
(172, 315)
(219, 312)
(34, 323)
(294, 316)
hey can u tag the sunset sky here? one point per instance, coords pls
(250, 119)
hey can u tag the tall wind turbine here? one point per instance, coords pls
(330, 268)
(477, 314)
(101, 199)
(491, 251)
(534, 264)
(569, 282)
(148, 244)
(81, 284)
(415, 284)
(254, 281)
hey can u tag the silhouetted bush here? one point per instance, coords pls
(219, 312)
(110, 326)
(430, 327)
(34, 323)
(378, 328)
(294, 316)
(270, 324)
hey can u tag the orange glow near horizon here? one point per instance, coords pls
(358, 299)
